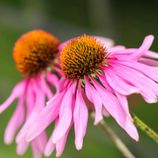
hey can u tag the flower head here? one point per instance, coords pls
(102, 76)
(33, 53)
(82, 56)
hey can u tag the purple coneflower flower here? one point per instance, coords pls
(33, 53)
(102, 76)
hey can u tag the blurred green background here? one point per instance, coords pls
(127, 22)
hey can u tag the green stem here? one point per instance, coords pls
(145, 128)
(115, 139)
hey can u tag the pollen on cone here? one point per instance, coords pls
(34, 51)
(82, 56)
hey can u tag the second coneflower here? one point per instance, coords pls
(33, 53)
(96, 76)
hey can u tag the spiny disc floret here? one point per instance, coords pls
(81, 56)
(34, 51)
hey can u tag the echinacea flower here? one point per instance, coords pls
(33, 53)
(101, 76)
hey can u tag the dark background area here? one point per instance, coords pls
(127, 22)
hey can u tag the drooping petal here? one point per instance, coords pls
(143, 48)
(60, 145)
(38, 145)
(45, 88)
(65, 114)
(104, 82)
(22, 147)
(41, 141)
(40, 95)
(113, 107)
(151, 72)
(45, 117)
(105, 112)
(110, 102)
(118, 84)
(30, 96)
(148, 88)
(80, 117)
(130, 127)
(151, 54)
(15, 122)
(30, 100)
(16, 92)
(50, 146)
(94, 97)
(52, 79)
(123, 101)
(36, 152)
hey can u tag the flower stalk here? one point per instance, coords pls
(115, 139)
(145, 128)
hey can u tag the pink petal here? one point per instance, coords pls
(30, 100)
(45, 88)
(107, 42)
(118, 84)
(22, 147)
(50, 146)
(105, 113)
(36, 152)
(39, 95)
(60, 145)
(94, 97)
(80, 117)
(38, 145)
(41, 141)
(17, 92)
(151, 54)
(144, 47)
(62, 45)
(116, 110)
(52, 79)
(110, 102)
(63, 84)
(35, 100)
(117, 48)
(151, 72)
(58, 70)
(148, 61)
(45, 117)
(104, 82)
(65, 114)
(15, 122)
(123, 101)
(148, 88)
(30, 96)
(129, 126)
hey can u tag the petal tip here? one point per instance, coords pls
(97, 121)
(8, 141)
(78, 145)
(150, 38)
